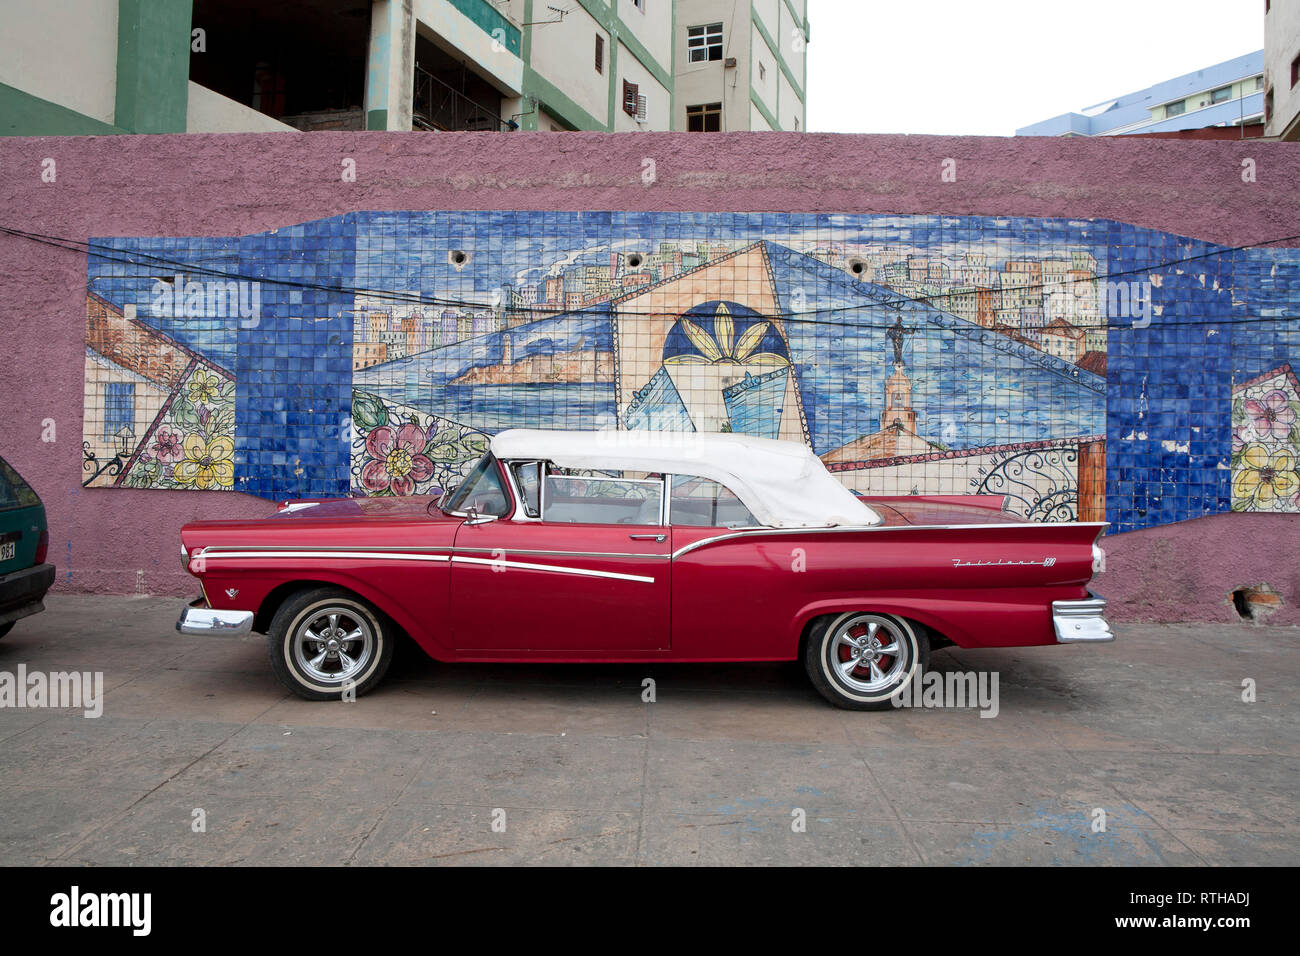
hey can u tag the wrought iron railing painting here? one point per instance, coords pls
(439, 106)
(1041, 484)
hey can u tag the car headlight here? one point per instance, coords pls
(185, 557)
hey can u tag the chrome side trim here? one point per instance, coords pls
(206, 620)
(568, 554)
(876, 529)
(218, 549)
(406, 554)
(375, 555)
(1081, 622)
(557, 569)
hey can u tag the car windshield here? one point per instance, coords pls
(482, 491)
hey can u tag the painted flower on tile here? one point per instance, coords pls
(167, 446)
(397, 461)
(204, 387)
(207, 463)
(1272, 416)
(1263, 478)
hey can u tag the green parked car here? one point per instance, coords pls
(24, 541)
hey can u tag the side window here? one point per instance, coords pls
(703, 502)
(528, 481)
(601, 498)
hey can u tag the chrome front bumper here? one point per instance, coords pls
(1081, 622)
(198, 619)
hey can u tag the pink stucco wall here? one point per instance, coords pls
(123, 541)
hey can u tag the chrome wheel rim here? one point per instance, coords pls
(333, 644)
(869, 653)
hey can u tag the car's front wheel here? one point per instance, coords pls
(859, 660)
(327, 643)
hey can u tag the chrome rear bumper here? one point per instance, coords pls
(1081, 622)
(198, 619)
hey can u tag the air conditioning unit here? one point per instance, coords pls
(640, 108)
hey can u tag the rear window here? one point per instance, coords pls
(14, 492)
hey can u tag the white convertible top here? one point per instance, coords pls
(782, 483)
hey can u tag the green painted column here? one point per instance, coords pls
(22, 114)
(153, 65)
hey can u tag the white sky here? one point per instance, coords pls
(987, 67)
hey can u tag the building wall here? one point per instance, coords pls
(564, 54)
(790, 115)
(763, 81)
(1281, 47)
(764, 31)
(768, 13)
(793, 41)
(713, 81)
(651, 26)
(210, 112)
(63, 51)
(658, 97)
(1176, 398)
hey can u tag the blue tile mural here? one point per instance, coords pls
(1086, 369)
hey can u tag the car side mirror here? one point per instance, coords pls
(476, 519)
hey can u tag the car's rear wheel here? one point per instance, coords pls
(859, 660)
(327, 642)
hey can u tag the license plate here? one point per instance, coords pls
(7, 550)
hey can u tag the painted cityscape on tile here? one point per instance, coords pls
(1085, 369)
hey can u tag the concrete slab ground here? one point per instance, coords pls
(1151, 731)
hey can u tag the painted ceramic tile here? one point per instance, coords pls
(398, 450)
(1266, 443)
(1084, 369)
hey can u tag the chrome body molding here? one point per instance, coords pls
(554, 568)
(1081, 622)
(197, 619)
(571, 554)
(270, 550)
(396, 554)
(874, 529)
(212, 554)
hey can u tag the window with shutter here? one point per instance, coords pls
(630, 92)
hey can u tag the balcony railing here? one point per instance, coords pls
(439, 106)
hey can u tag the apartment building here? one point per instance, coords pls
(1282, 69)
(740, 65)
(155, 66)
(1228, 94)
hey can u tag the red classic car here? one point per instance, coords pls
(643, 546)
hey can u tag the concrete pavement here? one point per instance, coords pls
(511, 764)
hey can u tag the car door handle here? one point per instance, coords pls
(647, 537)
